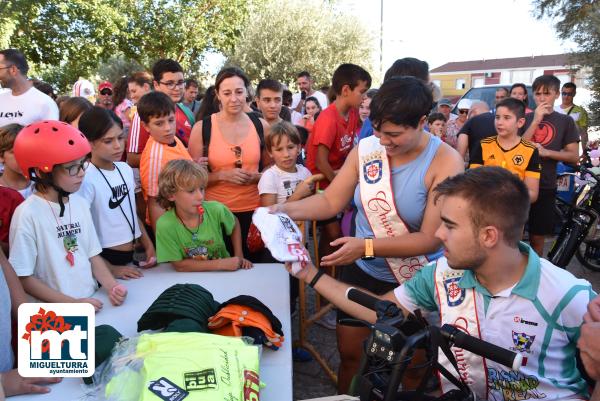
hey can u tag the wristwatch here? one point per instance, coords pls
(369, 252)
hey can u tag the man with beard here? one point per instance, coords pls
(491, 285)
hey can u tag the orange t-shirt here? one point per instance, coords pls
(154, 157)
(222, 157)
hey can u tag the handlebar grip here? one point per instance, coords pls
(482, 348)
(362, 298)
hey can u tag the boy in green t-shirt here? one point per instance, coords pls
(190, 234)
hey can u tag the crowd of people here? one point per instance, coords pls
(97, 188)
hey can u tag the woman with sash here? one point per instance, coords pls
(390, 176)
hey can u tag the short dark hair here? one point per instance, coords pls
(305, 74)
(154, 104)
(230, 72)
(286, 97)
(546, 82)
(303, 132)
(44, 87)
(278, 131)
(502, 88)
(96, 122)
(570, 85)
(270, 84)
(435, 117)
(504, 203)
(16, 58)
(165, 65)
(140, 78)
(349, 74)
(72, 108)
(401, 100)
(408, 66)
(191, 82)
(515, 106)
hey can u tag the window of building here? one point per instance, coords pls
(521, 76)
(460, 83)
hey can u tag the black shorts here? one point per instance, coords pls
(354, 275)
(117, 258)
(542, 215)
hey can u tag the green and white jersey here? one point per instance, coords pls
(577, 113)
(539, 317)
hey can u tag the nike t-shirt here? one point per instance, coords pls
(112, 203)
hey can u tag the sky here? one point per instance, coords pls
(443, 31)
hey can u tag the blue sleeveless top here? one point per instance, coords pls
(410, 196)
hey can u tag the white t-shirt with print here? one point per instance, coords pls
(113, 209)
(27, 108)
(37, 244)
(276, 181)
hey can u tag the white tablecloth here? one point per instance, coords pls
(267, 282)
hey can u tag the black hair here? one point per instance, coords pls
(305, 74)
(120, 90)
(191, 82)
(570, 85)
(435, 117)
(504, 203)
(303, 134)
(96, 122)
(16, 58)
(515, 106)
(44, 87)
(522, 86)
(401, 101)
(72, 108)
(270, 84)
(230, 72)
(349, 74)
(285, 114)
(408, 66)
(549, 82)
(154, 104)
(315, 101)
(286, 97)
(209, 105)
(165, 65)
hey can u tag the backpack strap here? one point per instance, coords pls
(261, 136)
(187, 112)
(206, 128)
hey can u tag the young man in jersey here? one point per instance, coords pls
(168, 79)
(269, 97)
(489, 282)
(577, 113)
(556, 137)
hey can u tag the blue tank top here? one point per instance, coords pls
(410, 197)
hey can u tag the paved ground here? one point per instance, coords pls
(310, 381)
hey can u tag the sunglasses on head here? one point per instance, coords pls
(463, 111)
(567, 93)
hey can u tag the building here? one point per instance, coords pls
(455, 78)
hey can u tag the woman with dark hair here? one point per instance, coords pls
(312, 107)
(235, 152)
(209, 104)
(519, 91)
(122, 102)
(109, 187)
(71, 110)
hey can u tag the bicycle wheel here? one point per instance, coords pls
(565, 245)
(588, 254)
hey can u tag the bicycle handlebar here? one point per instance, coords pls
(453, 335)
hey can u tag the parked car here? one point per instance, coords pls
(488, 94)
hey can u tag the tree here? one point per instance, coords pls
(66, 39)
(286, 37)
(578, 20)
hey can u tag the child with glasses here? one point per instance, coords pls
(157, 114)
(190, 235)
(54, 248)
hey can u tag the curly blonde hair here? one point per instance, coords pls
(179, 175)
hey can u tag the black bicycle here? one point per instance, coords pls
(580, 234)
(392, 344)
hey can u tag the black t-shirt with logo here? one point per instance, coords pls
(554, 132)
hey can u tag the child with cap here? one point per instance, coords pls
(54, 248)
(190, 234)
(12, 177)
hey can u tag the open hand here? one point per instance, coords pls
(15, 384)
(351, 249)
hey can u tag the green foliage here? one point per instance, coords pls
(578, 20)
(116, 67)
(67, 39)
(286, 37)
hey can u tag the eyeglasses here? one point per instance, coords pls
(173, 85)
(75, 168)
(7, 67)
(238, 156)
(106, 92)
(567, 93)
(463, 111)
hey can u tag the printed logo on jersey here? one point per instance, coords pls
(454, 294)
(513, 386)
(166, 390)
(522, 342)
(119, 193)
(518, 160)
(519, 319)
(544, 133)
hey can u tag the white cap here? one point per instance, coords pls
(464, 104)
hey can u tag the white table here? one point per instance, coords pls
(267, 282)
